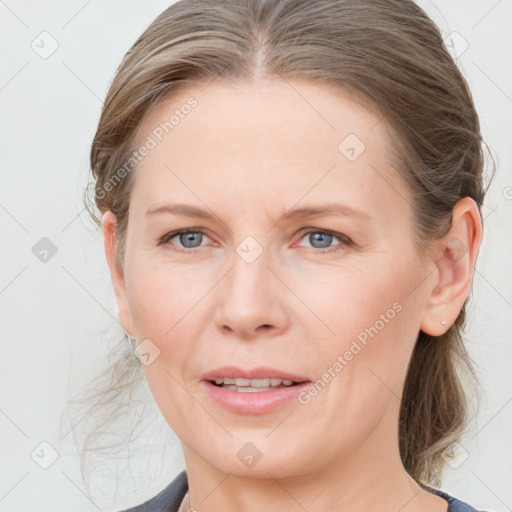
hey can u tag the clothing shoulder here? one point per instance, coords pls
(454, 505)
(168, 500)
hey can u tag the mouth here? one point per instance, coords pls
(252, 391)
(247, 380)
(252, 385)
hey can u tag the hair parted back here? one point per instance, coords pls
(386, 53)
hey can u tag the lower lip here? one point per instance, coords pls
(257, 402)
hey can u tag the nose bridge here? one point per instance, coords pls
(248, 286)
(248, 295)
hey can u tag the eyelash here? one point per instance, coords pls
(345, 241)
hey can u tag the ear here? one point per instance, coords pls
(454, 257)
(109, 225)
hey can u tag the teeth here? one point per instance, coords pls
(254, 383)
(224, 381)
(229, 383)
(248, 389)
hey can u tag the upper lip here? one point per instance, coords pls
(261, 372)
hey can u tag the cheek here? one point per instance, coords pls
(361, 370)
(353, 296)
(163, 298)
(165, 309)
(373, 320)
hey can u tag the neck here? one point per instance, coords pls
(371, 477)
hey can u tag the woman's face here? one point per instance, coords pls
(301, 263)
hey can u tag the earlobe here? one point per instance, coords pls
(109, 226)
(454, 261)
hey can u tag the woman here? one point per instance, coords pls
(290, 193)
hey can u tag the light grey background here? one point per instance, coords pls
(54, 314)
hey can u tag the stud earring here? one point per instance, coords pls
(443, 322)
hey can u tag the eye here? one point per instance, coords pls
(322, 240)
(188, 238)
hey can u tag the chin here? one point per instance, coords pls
(255, 461)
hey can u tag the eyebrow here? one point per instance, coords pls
(326, 209)
(295, 213)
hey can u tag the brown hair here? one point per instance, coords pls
(386, 53)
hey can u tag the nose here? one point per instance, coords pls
(251, 300)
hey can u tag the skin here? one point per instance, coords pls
(248, 154)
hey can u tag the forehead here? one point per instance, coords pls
(276, 139)
(312, 111)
